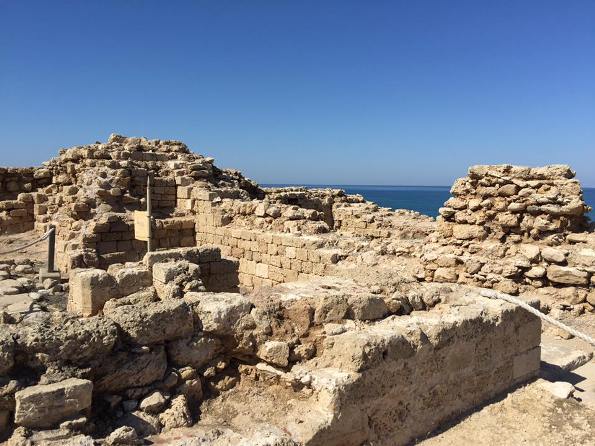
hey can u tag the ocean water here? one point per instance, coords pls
(424, 199)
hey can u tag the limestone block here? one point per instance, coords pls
(508, 190)
(133, 279)
(367, 307)
(567, 275)
(537, 272)
(468, 232)
(124, 370)
(583, 257)
(67, 338)
(89, 290)
(526, 365)
(46, 405)
(530, 251)
(218, 313)
(262, 270)
(553, 255)
(153, 403)
(153, 322)
(274, 352)
(195, 351)
(446, 275)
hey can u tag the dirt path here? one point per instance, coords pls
(37, 253)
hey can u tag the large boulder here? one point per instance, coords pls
(43, 406)
(125, 370)
(67, 338)
(153, 322)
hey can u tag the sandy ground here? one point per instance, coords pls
(37, 252)
(528, 416)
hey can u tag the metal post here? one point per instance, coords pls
(150, 226)
(51, 248)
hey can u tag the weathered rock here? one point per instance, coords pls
(468, 232)
(89, 290)
(46, 405)
(125, 370)
(132, 279)
(330, 308)
(554, 255)
(154, 322)
(153, 403)
(584, 257)
(567, 275)
(195, 351)
(123, 436)
(178, 415)
(6, 351)
(446, 275)
(274, 352)
(64, 338)
(143, 423)
(218, 313)
(537, 272)
(367, 307)
(558, 389)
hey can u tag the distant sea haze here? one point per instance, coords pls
(424, 199)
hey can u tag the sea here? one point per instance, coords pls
(424, 199)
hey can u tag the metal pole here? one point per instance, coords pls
(150, 226)
(51, 248)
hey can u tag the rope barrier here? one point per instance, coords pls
(516, 301)
(40, 239)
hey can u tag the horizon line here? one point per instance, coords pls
(364, 185)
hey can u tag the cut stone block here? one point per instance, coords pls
(46, 405)
(89, 290)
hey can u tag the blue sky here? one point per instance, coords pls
(341, 92)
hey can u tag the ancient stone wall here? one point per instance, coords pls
(17, 215)
(403, 377)
(264, 258)
(504, 201)
(15, 180)
(516, 229)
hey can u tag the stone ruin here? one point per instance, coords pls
(280, 316)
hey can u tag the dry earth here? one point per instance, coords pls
(528, 416)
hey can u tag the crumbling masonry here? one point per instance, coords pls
(307, 317)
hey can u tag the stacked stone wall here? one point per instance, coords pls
(15, 180)
(17, 215)
(516, 229)
(264, 258)
(503, 201)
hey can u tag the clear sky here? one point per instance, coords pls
(344, 92)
